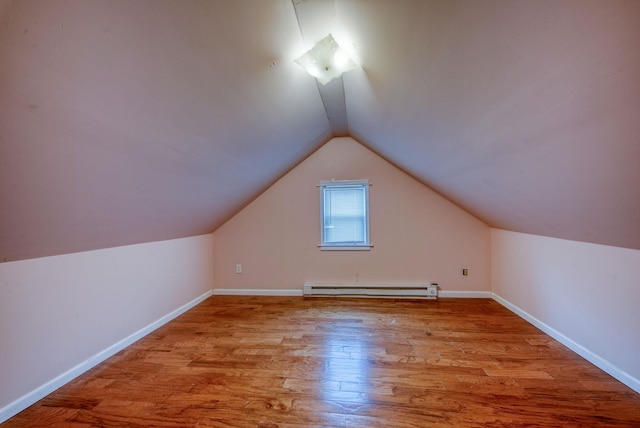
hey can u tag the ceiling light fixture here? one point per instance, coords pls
(326, 60)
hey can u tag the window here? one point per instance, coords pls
(344, 215)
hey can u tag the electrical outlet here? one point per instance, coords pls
(465, 272)
(238, 268)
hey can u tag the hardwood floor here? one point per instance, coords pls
(294, 362)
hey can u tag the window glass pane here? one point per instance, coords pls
(344, 215)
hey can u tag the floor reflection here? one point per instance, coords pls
(346, 375)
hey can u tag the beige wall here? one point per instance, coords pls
(73, 307)
(588, 293)
(418, 236)
(58, 312)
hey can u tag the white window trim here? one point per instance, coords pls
(342, 247)
(357, 247)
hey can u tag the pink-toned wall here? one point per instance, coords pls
(63, 312)
(589, 294)
(418, 236)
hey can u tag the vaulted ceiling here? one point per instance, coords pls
(134, 121)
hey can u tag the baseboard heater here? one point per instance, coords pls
(420, 291)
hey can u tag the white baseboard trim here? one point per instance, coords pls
(585, 353)
(42, 391)
(465, 294)
(255, 292)
(295, 293)
(30, 398)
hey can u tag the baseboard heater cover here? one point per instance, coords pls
(420, 291)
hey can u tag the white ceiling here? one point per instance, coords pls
(135, 121)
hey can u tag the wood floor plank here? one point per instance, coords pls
(292, 362)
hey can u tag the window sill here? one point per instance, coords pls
(345, 247)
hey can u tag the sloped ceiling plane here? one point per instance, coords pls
(125, 122)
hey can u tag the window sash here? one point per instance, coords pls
(344, 213)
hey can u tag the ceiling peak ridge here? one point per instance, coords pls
(312, 18)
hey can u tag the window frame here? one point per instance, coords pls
(344, 246)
